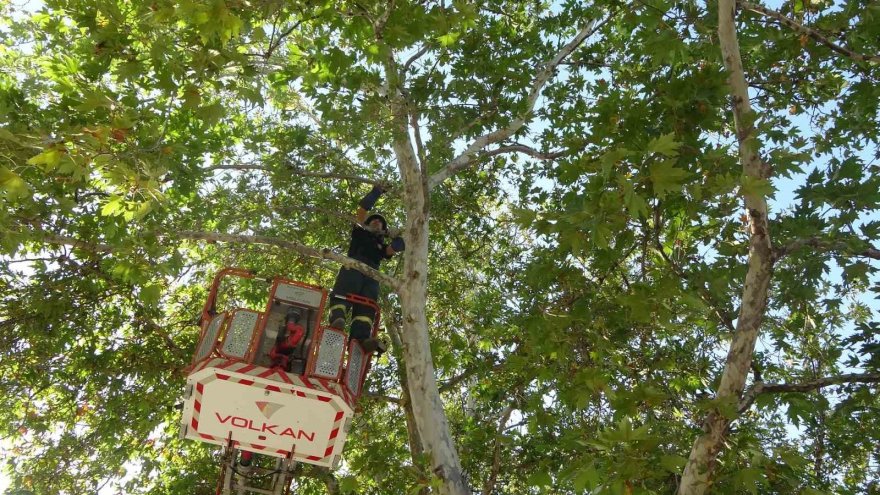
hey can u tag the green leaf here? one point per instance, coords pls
(150, 294)
(752, 186)
(113, 207)
(94, 99)
(587, 478)
(8, 136)
(448, 39)
(349, 484)
(857, 272)
(636, 204)
(751, 479)
(211, 114)
(665, 145)
(673, 463)
(13, 186)
(666, 178)
(539, 479)
(50, 158)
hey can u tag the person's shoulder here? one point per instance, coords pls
(358, 232)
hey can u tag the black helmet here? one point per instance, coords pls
(376, 216)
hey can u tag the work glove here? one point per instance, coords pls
(398, 245)
(368, 201)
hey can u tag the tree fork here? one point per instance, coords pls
(427, 406)
(700, 467)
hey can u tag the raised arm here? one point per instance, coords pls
(367, 202)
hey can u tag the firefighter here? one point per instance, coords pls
(370, 245)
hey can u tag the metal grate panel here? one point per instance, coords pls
(210, 337)
(355, 363)
(297, 294)
(330, 351)
(239, 334)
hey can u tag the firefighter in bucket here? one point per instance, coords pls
(369, 244)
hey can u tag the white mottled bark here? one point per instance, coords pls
(697, 476)
(427, 407)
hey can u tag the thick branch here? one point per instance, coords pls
(466, 158)
(294, 169)
(419, 54)
(382, 397)
(325, 253)
(50, 238)
(823, 245)
(238, 166)
(489, 486)
(526, 150)
(330, 175)
(772, 388)
(698, 472)
(379, 25)
(417, 134)
(454, 381)
(812, 33)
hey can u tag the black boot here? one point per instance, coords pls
(374, 345)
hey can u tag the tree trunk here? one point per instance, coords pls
(415, 441)
(427, 406)
(701, 464)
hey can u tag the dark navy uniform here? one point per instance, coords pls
(369, 248)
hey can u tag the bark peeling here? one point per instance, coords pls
(699, 471)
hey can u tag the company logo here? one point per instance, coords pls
(265, 428)
(268, 408)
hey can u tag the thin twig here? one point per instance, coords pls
(812, 33)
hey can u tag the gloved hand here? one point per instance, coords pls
(368, 201)
(398, 245)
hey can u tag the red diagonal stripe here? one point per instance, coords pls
(200, 388)
(324, 399)
(247, 368)
(334, 433)
(195, 424)
(222, 377)
(313, 458)
(198, 407)
(307, 383)
(284, 377)
(273, 388)
(339, 416)
(328, 451)
(246, 382)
